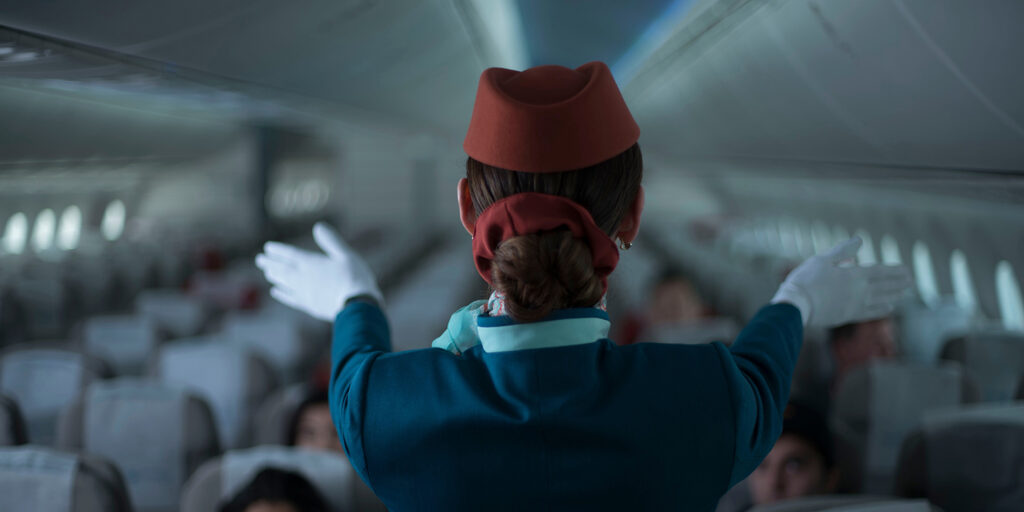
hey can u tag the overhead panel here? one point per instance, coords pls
(917, 83)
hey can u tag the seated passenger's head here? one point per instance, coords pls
(675, 299)
(312, 427)
(275, 490)
(801, 462)
(859, 343)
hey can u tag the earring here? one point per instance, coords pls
(624, 245)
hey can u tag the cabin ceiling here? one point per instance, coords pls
(909, 84)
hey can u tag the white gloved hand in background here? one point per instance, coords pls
(829, 294)
(315, 283)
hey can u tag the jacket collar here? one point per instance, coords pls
(562, 328)
(470, 326)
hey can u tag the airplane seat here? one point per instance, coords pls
(93, 277)
(45, 378)
(43, 479)
(156, 435)
(695, 332)
(848, 503)
(125, 342)
(423, 302)
(221, 478)
(12, 424)
(13, 327)
(224, 290)
(277, 339)
(274, 415)
(923, 330)
(877, 405)
(173, 311)
(48, 305)
(818, 502)
(232, 380)
(967, 459)
(812, 377)
(314, 331)
(736, 499)
(995, 360)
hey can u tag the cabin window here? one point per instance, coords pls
(42, 233)
(1011, 307)
(963, 287)
(15, 233)
(890, 250)
(113, 220)
(70, 228)
(866, 254)
(924, 274)
(820, 237)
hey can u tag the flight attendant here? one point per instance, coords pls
(523, 403)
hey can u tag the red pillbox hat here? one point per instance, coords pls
(549, 118)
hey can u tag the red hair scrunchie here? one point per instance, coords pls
(531, 212)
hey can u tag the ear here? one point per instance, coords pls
(466, 211)
(630, 225)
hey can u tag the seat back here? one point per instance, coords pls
(923, 330)
(12, 424)
(42, 479)
(994, 360)
(889, 506)
(172, 311)
(278, 340)
(44, 381)
(967, 459)
(124, 341)
(274, 415)
(232, 380)
(696, 332)
(832, 502)
(877, 405)
(47, 304)
(221, 478)
(156, 435)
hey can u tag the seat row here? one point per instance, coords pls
(43, 478)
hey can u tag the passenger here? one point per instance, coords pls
(801, 463)
(673, 300)
(529, 404)
(311, 426)
(275, 490)
(856, 344)
(677, 314)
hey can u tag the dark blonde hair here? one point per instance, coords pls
(542, 272)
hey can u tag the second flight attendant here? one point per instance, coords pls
(524, 404)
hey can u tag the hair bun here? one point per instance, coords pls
(542, 272)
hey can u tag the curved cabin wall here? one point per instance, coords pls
(923, 83)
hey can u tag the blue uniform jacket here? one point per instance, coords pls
(582, 424)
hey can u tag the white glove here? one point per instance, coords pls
(315, 283)
(828, 294)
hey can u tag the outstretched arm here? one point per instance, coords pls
(336, 285)
(826, 290)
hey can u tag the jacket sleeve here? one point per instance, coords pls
(360, 336)
(759, 370)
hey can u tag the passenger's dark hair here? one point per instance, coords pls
(314, 397)
(842, 332)
(278, 486)
(542, 272)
